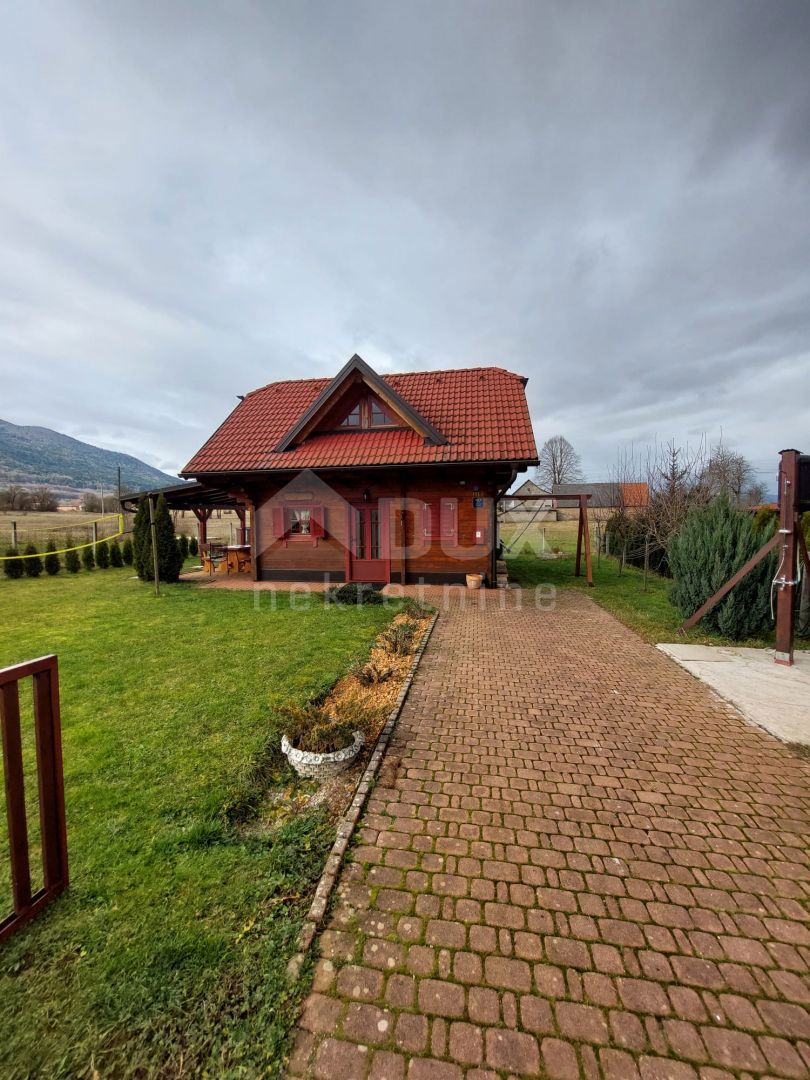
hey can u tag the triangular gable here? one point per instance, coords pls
(357, 370)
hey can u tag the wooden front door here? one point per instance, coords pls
(369, 546)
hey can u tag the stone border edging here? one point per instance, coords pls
(346, 825)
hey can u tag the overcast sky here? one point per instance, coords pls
(612, 198)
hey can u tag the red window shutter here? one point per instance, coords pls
(449, 519)
(277, 524)
(427, 521)
(316, 520)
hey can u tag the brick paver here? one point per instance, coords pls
(577, 863)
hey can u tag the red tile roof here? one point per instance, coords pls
(635, 494)
(481, 411)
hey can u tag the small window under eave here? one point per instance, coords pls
(367, 412)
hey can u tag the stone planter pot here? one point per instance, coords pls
(321, 766)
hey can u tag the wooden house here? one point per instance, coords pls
(370, 478)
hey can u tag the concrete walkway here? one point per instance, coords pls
(771, 695)
(577, 863)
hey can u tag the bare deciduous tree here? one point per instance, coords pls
(559, 463)
(727, 472)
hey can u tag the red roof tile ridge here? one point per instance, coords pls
(325, 379)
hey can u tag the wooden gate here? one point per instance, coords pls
(48, 739)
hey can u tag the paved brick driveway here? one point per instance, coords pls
(576, 862)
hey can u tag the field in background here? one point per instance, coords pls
(36, 528)
(543, 536)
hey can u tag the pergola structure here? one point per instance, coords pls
(201, 499)
(583, 535)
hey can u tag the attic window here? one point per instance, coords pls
(369, 412)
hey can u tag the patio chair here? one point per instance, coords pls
(217, 554)
(242, 562)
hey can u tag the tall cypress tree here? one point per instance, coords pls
(127, 553)
(88, 558)
(142, 542)
(102, 555)
(170, 560)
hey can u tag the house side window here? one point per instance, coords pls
(369, 412)
(298, 522)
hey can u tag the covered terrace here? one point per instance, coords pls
(202, 500)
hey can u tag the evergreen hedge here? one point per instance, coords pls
(182, 543)
(33, 565)
(52, 563)
(88, 558)
(193, 547)
(103, 555)
(13, 566)
(142, 542)
(169, 559)
(126, 552)
(712, 545)
(72, 561)
(116, 557)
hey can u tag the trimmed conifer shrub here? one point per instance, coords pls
(116, 558)
(142, 542)
(52, 563)
(72, 560)
(193, 547)
(103, 555)
(182, 543)
(126, 551)
(13, 566)
(88, 558)
(712, 545)
(170, 562)
(32, 565)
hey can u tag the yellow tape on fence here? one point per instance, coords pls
(76, 547)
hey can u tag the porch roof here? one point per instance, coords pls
(190, 496)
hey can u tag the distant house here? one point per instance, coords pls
(611, 496)
(516, 507)
(369, 478)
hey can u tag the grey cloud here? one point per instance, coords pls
(613, 199)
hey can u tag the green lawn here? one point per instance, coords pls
(649, 612)
(167, 954)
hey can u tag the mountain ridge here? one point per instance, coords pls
(39, 456)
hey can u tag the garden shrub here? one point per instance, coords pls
(711, 546)
(309, 727)
(103, 555)
(766, 518)
(354, 593)
(371, 673)
(13, 566)
(126, 551)
(88, 557)
(193, 547)
(32, 565)
(182, 544)
(116, 558)
(169, 559)
(417, 609)
(52, 563)
(630, 535)
(400, 638)
(72, 560)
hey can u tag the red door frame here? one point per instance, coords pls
(382, 566)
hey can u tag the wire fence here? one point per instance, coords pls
(19, 530)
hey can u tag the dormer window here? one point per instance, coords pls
(369, 412)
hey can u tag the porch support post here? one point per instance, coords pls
(240, 513)
(786, 579)
(202, 514)
(579, 541)
(583, 524)
(403, 523)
